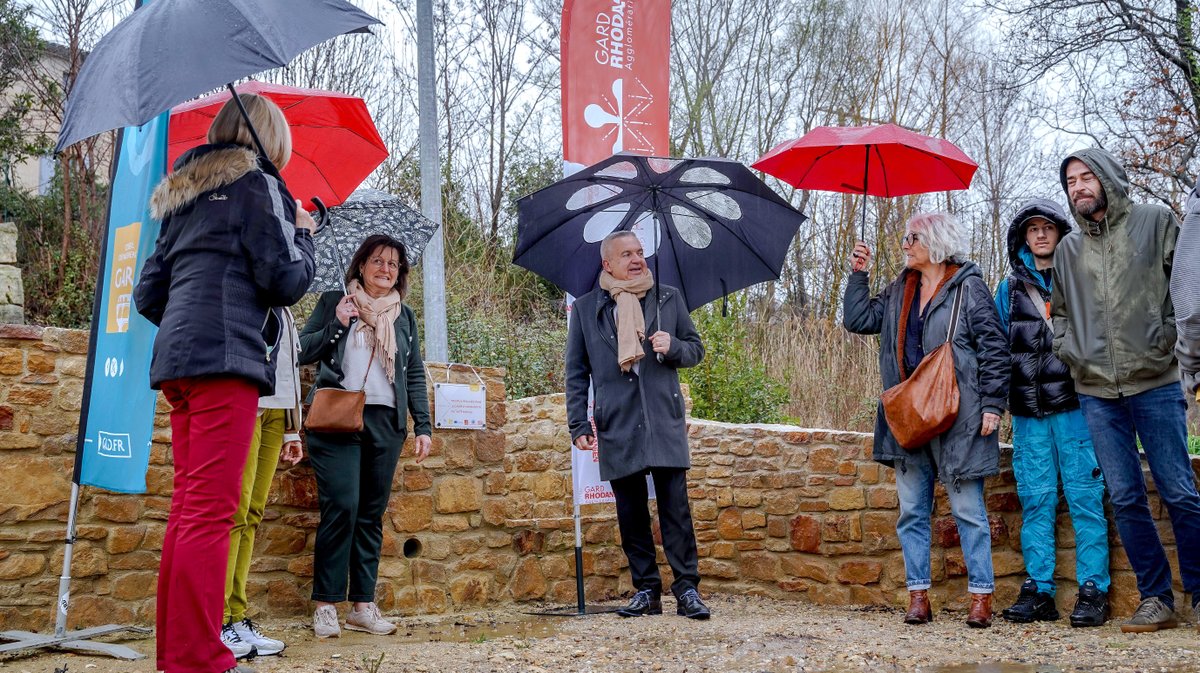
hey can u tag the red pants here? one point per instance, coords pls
(212, 420)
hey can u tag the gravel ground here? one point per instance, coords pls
(745, 635)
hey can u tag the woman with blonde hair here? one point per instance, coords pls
(233, 245)
(939, 296)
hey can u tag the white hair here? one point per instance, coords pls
(606, 244)
(939, 233)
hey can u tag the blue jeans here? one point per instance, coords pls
(915, 477)
(1043, 450)
(1158, 418)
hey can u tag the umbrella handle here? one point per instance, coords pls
(322, 213)
(323, 222)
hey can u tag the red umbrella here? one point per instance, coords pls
(884, 160)
(334, 142)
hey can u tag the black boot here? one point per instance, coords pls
(644, 602)
(1091, 607)
(1031, 606)
(689, 605)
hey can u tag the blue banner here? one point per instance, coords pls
(118, 409)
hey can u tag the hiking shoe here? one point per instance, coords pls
(249, 633)
(1151, 615)
(644, 602)
(689, 605)
(325, 622)
(370, 620)
(1031, 606)
(240, 648)
(1091, 606)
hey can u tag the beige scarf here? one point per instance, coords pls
(376, 318)
(631, 325)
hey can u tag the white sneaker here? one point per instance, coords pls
(370, 620)
(325, 622)
(240, 648)
(249, 633)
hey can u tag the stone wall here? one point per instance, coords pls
(780, 511)
(793, 513)
(445, 542)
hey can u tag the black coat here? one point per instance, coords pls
(980, 366)
(1040, 384)
(639, 417)
(323, 340)
(228, 251)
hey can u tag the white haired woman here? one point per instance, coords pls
(912, 316)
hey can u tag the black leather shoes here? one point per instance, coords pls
(689, 605)
(1091, 607)
(644, 602)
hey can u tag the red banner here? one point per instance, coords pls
(615, 79)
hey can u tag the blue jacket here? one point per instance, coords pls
(228, 251)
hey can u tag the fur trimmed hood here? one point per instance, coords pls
(200, 170)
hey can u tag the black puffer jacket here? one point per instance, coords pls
(228, 251)
(1040, 384)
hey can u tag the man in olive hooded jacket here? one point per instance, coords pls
(1114, 327)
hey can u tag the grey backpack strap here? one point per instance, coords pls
(1038, 303)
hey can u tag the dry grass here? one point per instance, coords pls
(833, 375)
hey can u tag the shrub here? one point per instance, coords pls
(730, 384)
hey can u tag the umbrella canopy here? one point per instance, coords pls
(366, 212)
(335, 145)
(884, 160)
(708, 226)
(172, 50)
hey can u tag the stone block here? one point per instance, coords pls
(21, 566)
(849, 498)
(945, 532)
(123, 539)
(882, 497)
(549, 486)
(704, 510)
(8, 242)
(453, 494)
(526, 542)
(417, 478)
(30, 396)
(120, 509)
(781, 503)
(470, 589)
(411, 512)
(859, 572)
(759, 566)
(528, 582)
(798, 566)
(135, 586)
(823, 460)
(729, 524)
(806, 533)
(753, 519)
(841, 528)
(12, 290)
(712, 568)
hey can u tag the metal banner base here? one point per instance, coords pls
(79, 641)
(573, 611)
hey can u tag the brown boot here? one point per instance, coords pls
(980, 616)
(919, 611)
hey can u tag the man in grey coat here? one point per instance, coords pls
(639, 414)
(1185, 294)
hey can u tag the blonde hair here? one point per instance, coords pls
(230, 127)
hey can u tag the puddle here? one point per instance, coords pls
(468, 631)
(990, 667)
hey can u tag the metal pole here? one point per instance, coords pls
(581, 605)
(433, 263)
(64, 580)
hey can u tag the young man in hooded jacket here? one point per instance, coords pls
(1114, 326)
(1050, 435)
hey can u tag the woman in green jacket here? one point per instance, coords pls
(365, 339)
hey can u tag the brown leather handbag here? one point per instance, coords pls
(925, 404)
(338, 410)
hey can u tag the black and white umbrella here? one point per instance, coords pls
(365, 213)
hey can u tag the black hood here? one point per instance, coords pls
(1032, 208)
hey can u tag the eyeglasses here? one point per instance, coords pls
(910, 239)
(380, 262)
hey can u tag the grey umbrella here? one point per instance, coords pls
(172, 50)
(366, 212)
